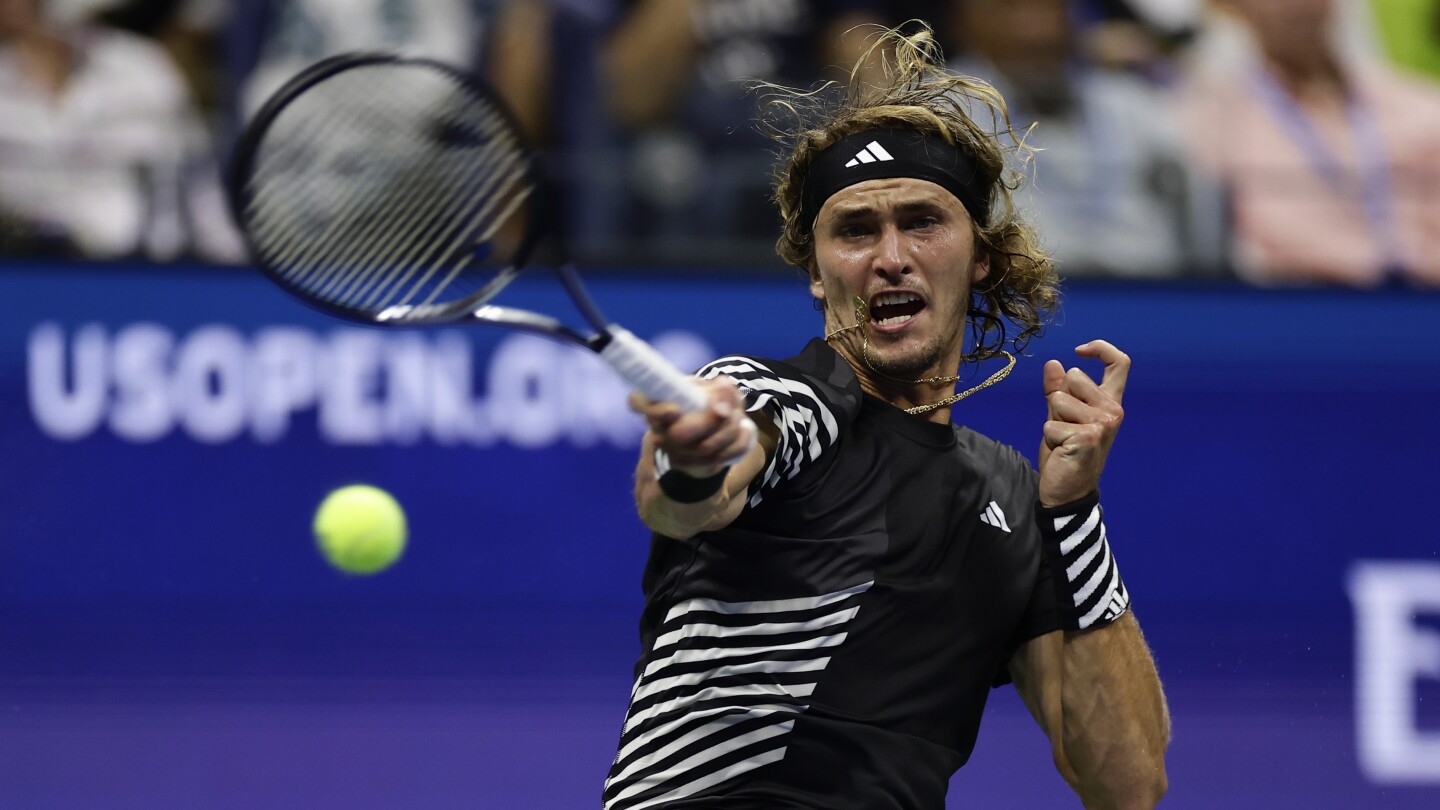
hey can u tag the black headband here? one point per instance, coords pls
(876, 154)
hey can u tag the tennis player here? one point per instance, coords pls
(826, 615)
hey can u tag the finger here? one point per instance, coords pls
(724, 389)
(638, 402)
(1117, 366)
(694, 428)
(1081, 386)
(1057, 433)
(1065, 407)
(724, 444)
(749, 440)
(725, 448)
(1053, 379)
(660, 415)
(729, 402)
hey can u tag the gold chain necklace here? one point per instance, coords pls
(862, 316)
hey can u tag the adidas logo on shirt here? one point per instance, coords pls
(873, 152)
(993, 516)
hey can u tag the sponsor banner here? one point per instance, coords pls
(143, 382)
(167, 434)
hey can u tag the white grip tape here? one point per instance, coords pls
(649, 372)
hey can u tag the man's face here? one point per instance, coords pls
(906, 247)
(18, 17)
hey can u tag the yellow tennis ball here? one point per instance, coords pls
(360, 529)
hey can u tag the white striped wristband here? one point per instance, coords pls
(1085, 574)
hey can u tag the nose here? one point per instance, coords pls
(890, 259)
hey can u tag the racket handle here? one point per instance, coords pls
(649, 372)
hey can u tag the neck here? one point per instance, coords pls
(902, 391)
(1309, 74)
(905, 395)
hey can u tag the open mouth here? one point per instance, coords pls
(894, 308)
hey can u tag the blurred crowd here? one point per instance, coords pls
(1281, 141)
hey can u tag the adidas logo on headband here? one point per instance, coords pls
(906, 153)
(872, 152)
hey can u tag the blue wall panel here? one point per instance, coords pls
(167, 434)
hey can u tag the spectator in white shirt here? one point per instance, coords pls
(102, 154)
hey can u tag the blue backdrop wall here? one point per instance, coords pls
(169, 636)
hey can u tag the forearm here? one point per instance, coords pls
(1114, 722)
(648, 61)
(685, 520)
(1092, 685)
(681, 520)
(520, 64)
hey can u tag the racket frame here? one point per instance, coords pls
(239, 197)
(633, 359)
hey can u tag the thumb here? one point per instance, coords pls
(1054, 380)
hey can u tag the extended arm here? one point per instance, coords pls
(1095, 692)
(697, 446)
(1098, 698)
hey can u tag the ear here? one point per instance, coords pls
(817, 286)
(979, 268)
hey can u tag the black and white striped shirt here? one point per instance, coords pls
(833, 647)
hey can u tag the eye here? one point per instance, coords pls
(924, 222)
(853, 230)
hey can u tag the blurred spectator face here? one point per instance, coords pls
(1032, 34)
(19, 17)
(1291, 31)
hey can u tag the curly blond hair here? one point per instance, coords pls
(916, 92)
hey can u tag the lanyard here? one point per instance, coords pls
(1376, 195)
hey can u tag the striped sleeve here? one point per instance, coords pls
(807, 422)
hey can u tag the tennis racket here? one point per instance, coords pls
(400, 192)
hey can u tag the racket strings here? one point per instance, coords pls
(352, 258)
(324, 262)
(386, 199)
(365, 257)
(283, 196)
(515, 201)
(498, 182)
(426, 226)
(277, 226)
(287, 190)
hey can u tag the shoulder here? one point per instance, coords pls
(811, 398)
(817, 379)
(999, 462)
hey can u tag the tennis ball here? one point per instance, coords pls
(360, 529)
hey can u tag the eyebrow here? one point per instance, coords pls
(844, 211)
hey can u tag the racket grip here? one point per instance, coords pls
(649, 372)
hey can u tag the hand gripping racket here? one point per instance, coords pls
(396, 191)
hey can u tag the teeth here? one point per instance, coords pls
(890, 299)
(893, 299)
